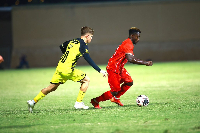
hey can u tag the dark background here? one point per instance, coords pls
(170, 29)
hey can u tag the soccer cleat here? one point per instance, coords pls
(95, 103)
(80, 105)
(31, 104)
(117, 101)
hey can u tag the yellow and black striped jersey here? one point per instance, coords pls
(72, 50)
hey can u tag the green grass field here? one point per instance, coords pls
(173, 89)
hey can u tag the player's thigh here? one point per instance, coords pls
(114, 81)
(125, 76)
(58, 77)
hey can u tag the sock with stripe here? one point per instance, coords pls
(39, 97)
(80, 97)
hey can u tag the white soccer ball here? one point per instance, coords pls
(142, 100)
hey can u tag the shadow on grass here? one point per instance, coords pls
(117, 106)
(114, 106)
(71, 109)
(16, 126)
(68, 110)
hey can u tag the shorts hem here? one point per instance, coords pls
(57, 83)
(81, 79)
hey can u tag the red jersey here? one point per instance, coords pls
(118, 60)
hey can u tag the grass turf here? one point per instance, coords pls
(173, 89)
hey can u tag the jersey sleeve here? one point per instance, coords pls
(83, 47)
(128, 48)
(84, 51)
(91, 62)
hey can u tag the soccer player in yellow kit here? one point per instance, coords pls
(72, 50)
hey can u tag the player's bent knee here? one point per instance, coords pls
(114, 93)
(129, 83)
(86, 79)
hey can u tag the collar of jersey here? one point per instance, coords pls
(81, 41)
(129, 40)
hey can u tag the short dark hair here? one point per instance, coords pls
(85, 30)
(134, 30)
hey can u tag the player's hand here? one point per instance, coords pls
(149, 63)
(105, 74)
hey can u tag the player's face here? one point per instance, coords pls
(135, 38)
(88, 37)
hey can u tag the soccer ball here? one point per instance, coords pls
(1, 59)
(142, 100)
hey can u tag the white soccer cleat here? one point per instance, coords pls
(80, 105)
(31, 104)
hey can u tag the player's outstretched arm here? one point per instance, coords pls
(91, 62)
(133, 59)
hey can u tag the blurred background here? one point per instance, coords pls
(32, 30)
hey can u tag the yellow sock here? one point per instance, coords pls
(39, 97)
(80, 97)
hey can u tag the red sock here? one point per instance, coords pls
(105, 96)
(124, 88)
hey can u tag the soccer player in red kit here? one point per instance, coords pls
(117, 74)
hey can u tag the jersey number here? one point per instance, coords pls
(64, 57)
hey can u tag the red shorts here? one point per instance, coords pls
(115, 79)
